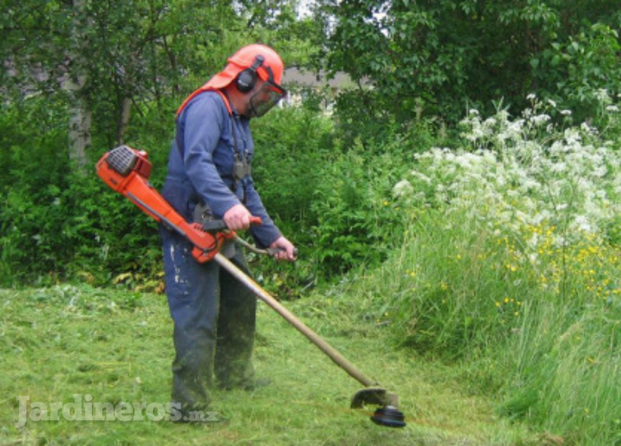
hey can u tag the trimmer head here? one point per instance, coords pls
(387, 415)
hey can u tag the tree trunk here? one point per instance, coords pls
(79, 110)
(79, 123)
(124, 119)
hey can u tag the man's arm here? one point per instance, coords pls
(203, 123)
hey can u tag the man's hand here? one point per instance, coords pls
(285, 249)
(237, 218)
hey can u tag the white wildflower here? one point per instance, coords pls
(572, 136)
(528, 178)
(588, 129)
(582, 222)
(490, 122)
(603, 96)
(540, 119)
(420, 176)
(558, 167)
(600, 171)
(402, 188)
(419, 197)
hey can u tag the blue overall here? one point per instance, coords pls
(213, 313)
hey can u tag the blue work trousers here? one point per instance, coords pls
(214, 324)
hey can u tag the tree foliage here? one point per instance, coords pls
(112, 55)
(129, 64)
(439, 57)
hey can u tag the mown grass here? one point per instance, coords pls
(115, 346)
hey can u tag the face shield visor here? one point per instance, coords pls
(265, 98)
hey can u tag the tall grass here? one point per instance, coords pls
(510, 265)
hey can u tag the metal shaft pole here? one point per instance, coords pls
(299, 325)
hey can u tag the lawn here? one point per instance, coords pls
(67, 349)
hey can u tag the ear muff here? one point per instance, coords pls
(246, 79)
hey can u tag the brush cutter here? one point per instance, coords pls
(127, 170)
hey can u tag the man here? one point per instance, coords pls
(209, 174)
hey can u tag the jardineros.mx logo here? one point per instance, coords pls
(84, 408)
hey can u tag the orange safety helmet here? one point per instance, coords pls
(243, 67)
(245, 58)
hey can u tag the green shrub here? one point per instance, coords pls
(333, 200)
(352, 202)
(58, 223)
(33, 160)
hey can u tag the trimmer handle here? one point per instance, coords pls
(273, 251)
(220, 225)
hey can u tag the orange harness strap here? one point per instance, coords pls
(202, 90)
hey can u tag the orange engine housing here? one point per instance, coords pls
(127, 170)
